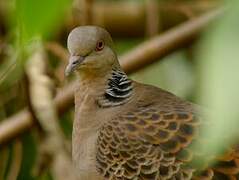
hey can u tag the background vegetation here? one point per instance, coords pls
(36, 109)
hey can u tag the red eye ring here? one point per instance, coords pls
(100, 45)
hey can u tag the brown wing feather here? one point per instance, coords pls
(153, 141)
(146, 143)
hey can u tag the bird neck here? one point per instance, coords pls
(118, 91)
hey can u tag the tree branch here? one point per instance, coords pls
(162, 45)
(53, 152)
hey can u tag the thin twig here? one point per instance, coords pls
(58, 51)
(7, 71)
(16, 161)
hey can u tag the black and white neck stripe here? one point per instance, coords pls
(119, 89)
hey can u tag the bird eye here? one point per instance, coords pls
(99, 45)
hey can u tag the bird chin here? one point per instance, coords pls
(82, 66)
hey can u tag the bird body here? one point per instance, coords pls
(128, 130)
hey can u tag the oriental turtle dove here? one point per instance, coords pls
(131, 131)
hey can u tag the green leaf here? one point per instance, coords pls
(39, 18)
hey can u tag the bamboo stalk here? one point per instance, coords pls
(144, 54)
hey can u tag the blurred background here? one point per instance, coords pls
(188, 47)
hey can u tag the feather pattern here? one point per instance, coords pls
(119, 90)
(153, 140)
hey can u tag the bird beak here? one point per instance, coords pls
(73, 63)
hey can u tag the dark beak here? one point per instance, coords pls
(73, 64)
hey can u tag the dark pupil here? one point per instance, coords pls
(100, 44)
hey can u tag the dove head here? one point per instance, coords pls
(91, 51)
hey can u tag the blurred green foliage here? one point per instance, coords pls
(173, 73)
(29, 157)
(30, 19)
(218, 63)
(40, 18)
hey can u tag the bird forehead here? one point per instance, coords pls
(82, 40)
(81, 44)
